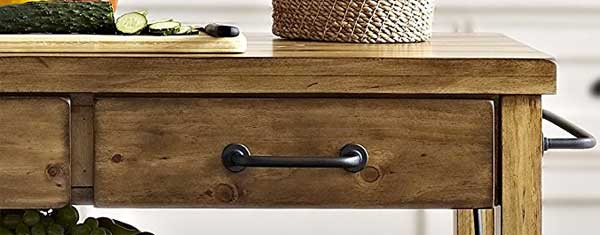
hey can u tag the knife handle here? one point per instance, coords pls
(222, 31)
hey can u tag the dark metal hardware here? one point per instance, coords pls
(478, 222)
(352, 157)
(582, 140)
(596, 88)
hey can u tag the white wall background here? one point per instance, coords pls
(570, 30)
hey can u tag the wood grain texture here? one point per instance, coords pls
(166, 152)
(276, 75)
(450, 64)
(489, 222)
(82, 139)
(521, 165)
(47, 43)
(465, 222)
(34, 153)
(82, 196)
(441, 46)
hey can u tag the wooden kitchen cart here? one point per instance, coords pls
(454, 123)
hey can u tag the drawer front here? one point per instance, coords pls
(34, 153)
(167, 152)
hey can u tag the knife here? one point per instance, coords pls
(220, 30)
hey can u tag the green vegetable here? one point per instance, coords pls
(5, 231)
(81, 229)
(55, 229)
(98, 231)
(117, 227)
(11, 221)
(67, 216)
(22, 229)
(47, 221)
(91, 222)
(60, 222)
(132, 23)
(185, 30)
(12, 212)
(31, 217)
(38, 229)
(58, 18)
(106, 231)
(125, 225)
(164, 28)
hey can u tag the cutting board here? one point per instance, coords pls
(49, 43)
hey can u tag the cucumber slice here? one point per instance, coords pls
(132, 23)
(144, 12)
(184, 30)
(164, 28)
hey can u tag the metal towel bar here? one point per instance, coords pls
(582, 140)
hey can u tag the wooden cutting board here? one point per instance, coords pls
(48, 43)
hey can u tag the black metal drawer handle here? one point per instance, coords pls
(237, 157)
(582, 140)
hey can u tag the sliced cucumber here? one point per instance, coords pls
(184, 30)
(164, 28)
(132, 23)
(144, 12)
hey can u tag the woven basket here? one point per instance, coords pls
(358, 21)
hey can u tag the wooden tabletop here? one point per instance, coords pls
(442, 45)
(450, 63)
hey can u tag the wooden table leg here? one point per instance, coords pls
(465, 222)
(82, 149)
(521, 165)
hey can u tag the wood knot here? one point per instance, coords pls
(225, 193)
(117, 158)
(54, 170)
(370, 174)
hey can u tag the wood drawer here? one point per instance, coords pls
(166, 152)
(34, 153)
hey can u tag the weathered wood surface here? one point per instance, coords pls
(76, 43)
(34, 153)
(82, 195)
(82, 139)
(449, 64)
(465, 223)
(521, 165)
(166, 152)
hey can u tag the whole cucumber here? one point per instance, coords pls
(57, 18)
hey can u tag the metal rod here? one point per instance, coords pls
(299, 162)
(582, 140)
(478, 222)
(237, 157)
